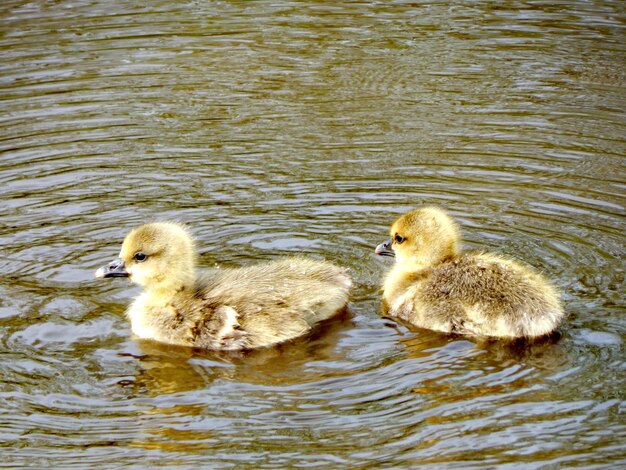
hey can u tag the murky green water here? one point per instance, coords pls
(278, 128)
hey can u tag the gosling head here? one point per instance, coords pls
(158, 256)
(422, 238)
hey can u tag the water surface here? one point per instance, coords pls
(281, 128)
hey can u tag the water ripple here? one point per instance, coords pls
(287, 128)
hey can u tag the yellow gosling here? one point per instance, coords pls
(432, 285)
(222, 309)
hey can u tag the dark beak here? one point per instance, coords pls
(115, 268)
(384, 249)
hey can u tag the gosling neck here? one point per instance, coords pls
(425, 259)
(401, 277)
(168, 286)
(407, 271)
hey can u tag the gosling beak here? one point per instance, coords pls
(115, 268)
(384, 249)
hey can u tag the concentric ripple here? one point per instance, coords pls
(282, 128)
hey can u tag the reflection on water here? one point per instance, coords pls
(279, 128)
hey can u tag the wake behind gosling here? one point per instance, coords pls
(222, 308)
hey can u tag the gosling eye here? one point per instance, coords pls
(140, 257)
(399, 238)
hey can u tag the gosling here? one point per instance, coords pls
(222, 309)
(432, 285)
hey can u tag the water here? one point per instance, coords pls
(279, 128)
